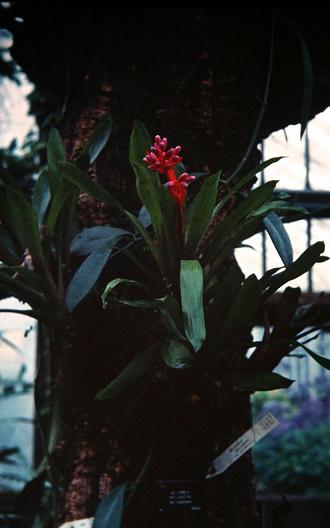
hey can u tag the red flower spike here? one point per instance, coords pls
(178, 188)
(161, 160)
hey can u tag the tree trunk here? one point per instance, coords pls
(191, 105)
(189, 75)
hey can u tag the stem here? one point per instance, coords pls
(29, 313)
(24, 292)
(263, 107)
(51, 468)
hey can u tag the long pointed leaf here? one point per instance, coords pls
(300, 266)
(134, 371)
(321, 360)
(242, 311)
(149, 190)
(55, 153)
(147, 181)
(279, 237)
(199, 214)
(147, 238)
(191, 288)
(243, 181)
(114, 283)
(172, 316)
(65, 192)
(92, 238)
(140, 143)
(110, 510)
(176, 355)
(307, 94)
(255, 199)
(9, 253)
(154, 197)
(24, 219)
(99, 138)
(41, 196)
(257, 381)
(86, 276)
(82, 180)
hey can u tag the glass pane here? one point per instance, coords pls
(321, 271)
(17, 371)
(297, 232)
(290, 171)
(250, 260)
(319, 140)
(15, 121)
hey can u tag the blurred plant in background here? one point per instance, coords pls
(294, 458)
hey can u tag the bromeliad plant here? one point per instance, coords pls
(201, 296)
(181, 247)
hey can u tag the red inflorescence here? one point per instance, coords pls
(163, 161)
(159, 159)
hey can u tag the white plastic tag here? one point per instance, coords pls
(81, 523)
(241, 445)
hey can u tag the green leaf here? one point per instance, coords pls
(281, 207)
(140, 142)
(191, 288)
(172, 316)
(228, 226)
(115, 282)
(242, 311)
(321, 360)
(95, 237)
(55, 153)
(134, 371)
(28, 501)
(149, 190)
(285, 311)
(86, 276)
(98, 139)
(155, 198)
(300, 266)
(109, 511)
(65, 192)
(307, 94)
(143, 268)
(144, 217)
(147, 238)
(9, 220)
(224, 292)
(23, 221)
(256, 381)
(9, 253)
(41, 196)
(82, 180)
(245, 230)
(167, 306)
(279, 237)
(176, 355)
(199, 213)
(244, 181)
